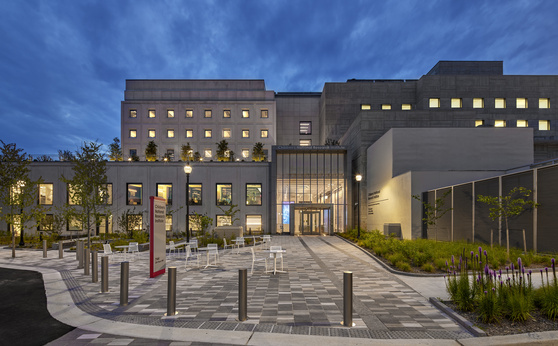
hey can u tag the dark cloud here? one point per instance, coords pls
(64, 63)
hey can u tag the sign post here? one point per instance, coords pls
(157, 236)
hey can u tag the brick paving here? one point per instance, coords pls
(306, 300)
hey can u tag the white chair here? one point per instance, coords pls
(255, 242)
(257, 259)
(213, 251)
(107, 250)
(274, 256)
(194, 244)
(133, 249)
(225, 245)
(173, 248)
(192, 257)
(240, 242)
(266, 240)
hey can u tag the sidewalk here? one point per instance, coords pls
(304, 305)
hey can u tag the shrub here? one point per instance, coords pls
(403, 266)
(489, 309)
(428, 267)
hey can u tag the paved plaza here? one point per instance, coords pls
(302, 305)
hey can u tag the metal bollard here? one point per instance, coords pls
(348, 299)
(104, 274)
(124, 278)
(44, 249)
(79, 250)
(242, 294)
(94, 267)
(86, 257)
(60, 249)
(171, 293)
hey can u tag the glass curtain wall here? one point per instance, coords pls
(310, 182)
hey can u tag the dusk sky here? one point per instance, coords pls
(63, 64)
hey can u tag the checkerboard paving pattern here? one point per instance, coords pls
(307, 299)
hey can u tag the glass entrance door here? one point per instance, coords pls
(311, 222)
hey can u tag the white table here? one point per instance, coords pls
(125, 247)
(207, 250)
(275, 252)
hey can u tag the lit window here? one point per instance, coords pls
(223, 220)
(133, 113)
(499, 103)
(189, 133)
(521, 102)
(106, 194)
(521, 123)
(207, 133)
(46, 223)
(165, 191)
(170, 113)
(456, 103)
(226, 133)
(195, 194)
(245, 133)
(478, 102)
(168, 223)
(499, 123)
(151, 133)
(434, 103)
(74, 224)
(386, 107)
(151, 113)
(245, 153)
(544, 125)
(170, 133)
(264, 133)
(406, 107)
(305, 128)
(207, 153)
(227, 113)
(189, 113)
(365, 107)
(305, 142)
(134, 194)
(544, 103)
(253, 194)
(133, 133)
(265, 113)
(254, 223)
(245, 113)
(224, 194)
(207, 113)
(134, 222)
(45, 194)
(479, 123)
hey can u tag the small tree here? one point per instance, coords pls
(223, 152)
(65, 155)
(134, 157)
(115, 151)
(258, 153)
(230, 213)
(88, 186)
(201, 222)
(197, 156)
(509, 206)
(18, 193)
(186, 153)
(434, 212)
(151, 151)
(128, 221)
(44, 158)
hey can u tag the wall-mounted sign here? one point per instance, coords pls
(157, 236)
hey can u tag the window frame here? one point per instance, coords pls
(544, 100)
(189, 111)
(245, 112)
(169, 112)
(169, 201)
(300, 142)
(190, 193)
(149, 133)
(249, 230)
(206, 132)
(191, 133)
(51, 194)
(525, 123)
(456, 102)
(498, 100)
(207, 113)
(151, 111)
(217, 194)
(547, 125)
(133, 113)
(169, 133)
(266, 133)
(308, 125)
(504, 123)
(246, 197)
(245, 131)
(264, 111)
(386, 106)
(406, 107)
(242, 153)
(128, 194)
(132, 133)
(230, 133)
(225, 112)
(365, 107)
(205, 151)
(110, 190)
(478, 100)
(436, 100)
(519, 100)
(222, 216)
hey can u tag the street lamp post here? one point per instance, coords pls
(188, 170)
(358, 178)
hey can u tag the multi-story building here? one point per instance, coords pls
(308, 187)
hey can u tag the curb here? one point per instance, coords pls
(476, 331)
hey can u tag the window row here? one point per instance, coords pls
(207, 113)
(207, 153)
(207, 133)
(223, 194)
(385, 107)
(543, 125)
(499, 103)
(46, 194)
